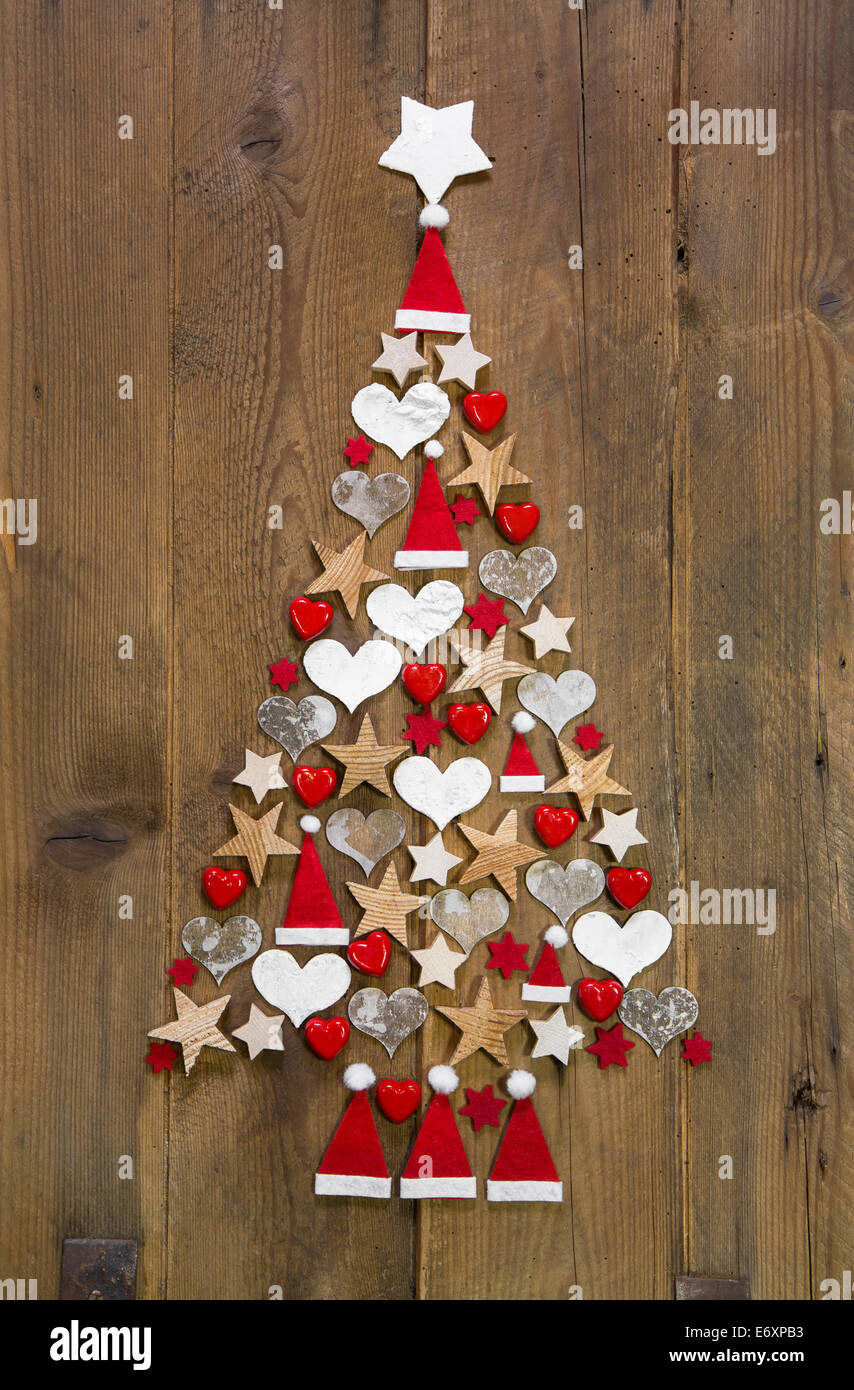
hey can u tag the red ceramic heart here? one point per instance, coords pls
(599, 998)
(327, 1036)
(555, 824)
(516, 520)
(424, 683)
(370, 954)
(308, 618)
(398, 1099)
(313, 784)
(223, 886)
(628, 887)
(470, 722)
(484, 411)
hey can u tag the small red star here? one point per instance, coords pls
(424, 730)
(611, 1046)
(465, 510)
(697, 1049)
(482, 1107)
(358, 451)
(284, 673)
(508, 955)
(588, 736)
(183, 971)
(162, 1056)
(487, 614)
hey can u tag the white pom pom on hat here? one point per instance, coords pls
(521, 1084)
(434, 215)
(433, 449)
(310, 824)
(358, 1077)
(443, 1080)
(523, 722)
(557, 937)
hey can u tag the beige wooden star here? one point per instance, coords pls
(487, 670)
(438, 963)
(489, 469)
(195, 1028)
(399, 356)
(618, 832)
(500, 854)
(365, 760)
(386, 907)
(344, 572)
(548, 633)
(255, 840)
(261, 1032)
(482, 1025)
(461, 361)
(587, 777)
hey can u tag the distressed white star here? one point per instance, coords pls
(261, 1032)
(262, 775)
(438, 963)
(555, 1038)
(548, 633)
(432, 861)
(619, 832)
(435, 146)
(461, 361)
(399, 356)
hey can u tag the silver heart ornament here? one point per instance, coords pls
(518, 578)
(367, 839)
(555, 702)
(565, 890)
(219, 946)
(390, 1018)
(370, 500)
(659, 1020)
(469, 920)
(296, 726)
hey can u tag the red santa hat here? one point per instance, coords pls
(431, 540)
(521, 773)
(523, 1170)
(432, 302)
(312, 917)
(354, 1164)
(438, 1166)
(546, 982)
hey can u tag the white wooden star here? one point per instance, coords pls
(619, 832)
(435, 146)
(461, 361)
(399, 356)
(262, 775)
(438, 963)
(432, 861)
(548, 633)
(261, 1032)
(555, 1038)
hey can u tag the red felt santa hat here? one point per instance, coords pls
(521, 773)
(523, 1170)
(546, 982)
(354, 1164)
(431, 540)
(312, 917)
(432, 302)
(438, 1166)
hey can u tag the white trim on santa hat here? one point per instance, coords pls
(350, 1185)
(548, 994)
(438, 1187)
(431, 560)
(312, 936)
(521, 784)
(523, 1191)
(431, 321)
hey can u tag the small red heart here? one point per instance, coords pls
(470, 722)
(484, 411)
(599, 998)
(327, 1036)
(628, 887)
(398, 1099)
(308, 618)
(516, 520)
(313, 784)
(370, 954)
(424, 683)
(555, 824)
(223, 886)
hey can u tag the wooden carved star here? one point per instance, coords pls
(195, 1028)
(555, 1037)
(500, 854)
(365, 760)
(461, 361)
(619, 832)
(432, 861)
(261, 1032)
(386, 907)
(489, 469)
(548, 633)
(482, 1025)
(399, 356)
(487, 670)
(255, 840)
(587, 777)
(262, 775)
(438, 963)
(344, 572)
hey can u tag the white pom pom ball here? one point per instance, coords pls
(444, 1080)
(310, 824)
(358, 1077)
(433, 449)
(521, 1084)
(557, 937)
(523, 722)
(434, 215)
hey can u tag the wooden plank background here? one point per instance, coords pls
(255, 127)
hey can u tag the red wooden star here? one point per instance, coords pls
(424, 730)
(487, 614)
(508, 955)
(183, 971)
(697, 1049)
(482, 1107)
(465, 510)
(611, 1046)
(358, 451)
(162, 1056)
(284, 673)
(588, 736)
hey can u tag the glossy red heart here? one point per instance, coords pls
(314, 784)
(516, 520)
(398, 1099)
(599, 998)
(424, 683)
(628, 887)
(555, 824)
(484, 411)
(470, 722)
(308, 618)
(327, 1036)
(223, 886)
(370, 954)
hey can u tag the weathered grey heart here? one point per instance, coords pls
(390, 1018)
(219, 946)
(518, 578)
(565, 890)
(469, 920)
(370, 500)
(367, 840)
(555, 702)
(659, 1020)
(296, 726)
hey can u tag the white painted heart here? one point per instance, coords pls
(352, 676)
(555, 702)
(442, 795)
(622, 951)
(415, 619)
(300, 991)
(401, 424)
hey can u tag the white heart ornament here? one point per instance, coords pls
(622, 951)
(555, 702)
(300, 991)
(401, 424)
(415, 619)
(442, 795)
(352, 676)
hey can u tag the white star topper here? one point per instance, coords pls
(435, 146)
